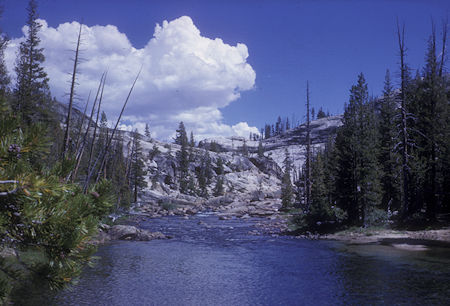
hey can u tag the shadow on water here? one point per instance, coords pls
(214, 262)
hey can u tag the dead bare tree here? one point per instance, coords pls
(102, 156)
(308, 150)
(94, 135)
(404, 128)
(81, 124)
(80, 152)
(444, 41)
(71, 95)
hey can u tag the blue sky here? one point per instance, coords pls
(289, 42)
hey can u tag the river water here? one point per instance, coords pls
(218, 262)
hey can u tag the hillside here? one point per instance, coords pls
(294, 140)
(252, 185)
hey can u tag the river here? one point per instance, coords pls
(221, 262)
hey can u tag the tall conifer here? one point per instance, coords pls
(32, 93)
(389, 156)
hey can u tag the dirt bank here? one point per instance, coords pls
(403, 239)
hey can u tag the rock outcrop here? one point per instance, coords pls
(294, 140)
(251, 184)
(129, 232)
(125, 232)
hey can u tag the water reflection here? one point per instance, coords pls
(384, 274)
(216, 262)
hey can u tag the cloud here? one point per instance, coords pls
(185, 76)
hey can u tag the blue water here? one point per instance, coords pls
(219, 263)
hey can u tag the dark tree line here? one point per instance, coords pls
(279, 127)
(195, 170)
(389, 162)
(284, 124)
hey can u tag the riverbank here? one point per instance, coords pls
(274, 223)
(412, 240)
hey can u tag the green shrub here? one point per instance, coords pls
(46, 221)
(377, 217)
(168, 206)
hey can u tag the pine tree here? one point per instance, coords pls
(356, 143)
(48, 222)
(330, 160)
(267, 131)
(118, 175)
(32, 94)
(389, 156)
(192, 140)
(429, 106)
(244, 148)
(183, 158)
(4, 77)
(404, 129)
(204, 174)
(219, 189)
(103, 139)
(369, 171)
(147, 134)
(286, 183)
(320, 212)
(445, 206)
(321, 114)
(181, 135)
(191, 147)
(308, 152)
(278, 128)
(213, 146)
(192, 188)
(137, 169)
(220, 168)
(153, 152)
(260, 149)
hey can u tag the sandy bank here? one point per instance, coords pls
(411, 240)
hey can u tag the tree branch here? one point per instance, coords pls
(5, 193)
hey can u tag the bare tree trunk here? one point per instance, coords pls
(308, 150)
(72, 92)
(105, 161)
(95, 133)
(128, 160)
(102, 169)
(404, 129)
(103, 154)
(86, 133)
(444, 41)
(81, 124)
(435, 83)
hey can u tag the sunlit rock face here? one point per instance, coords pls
(294, 140)
(246, 178)
(248, 181)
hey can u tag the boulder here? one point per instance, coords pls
(129, 232)
(267, 166)
(221, 200)
(257, 196)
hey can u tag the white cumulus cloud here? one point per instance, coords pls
(185, 76)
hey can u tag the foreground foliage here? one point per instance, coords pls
(45, 223)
